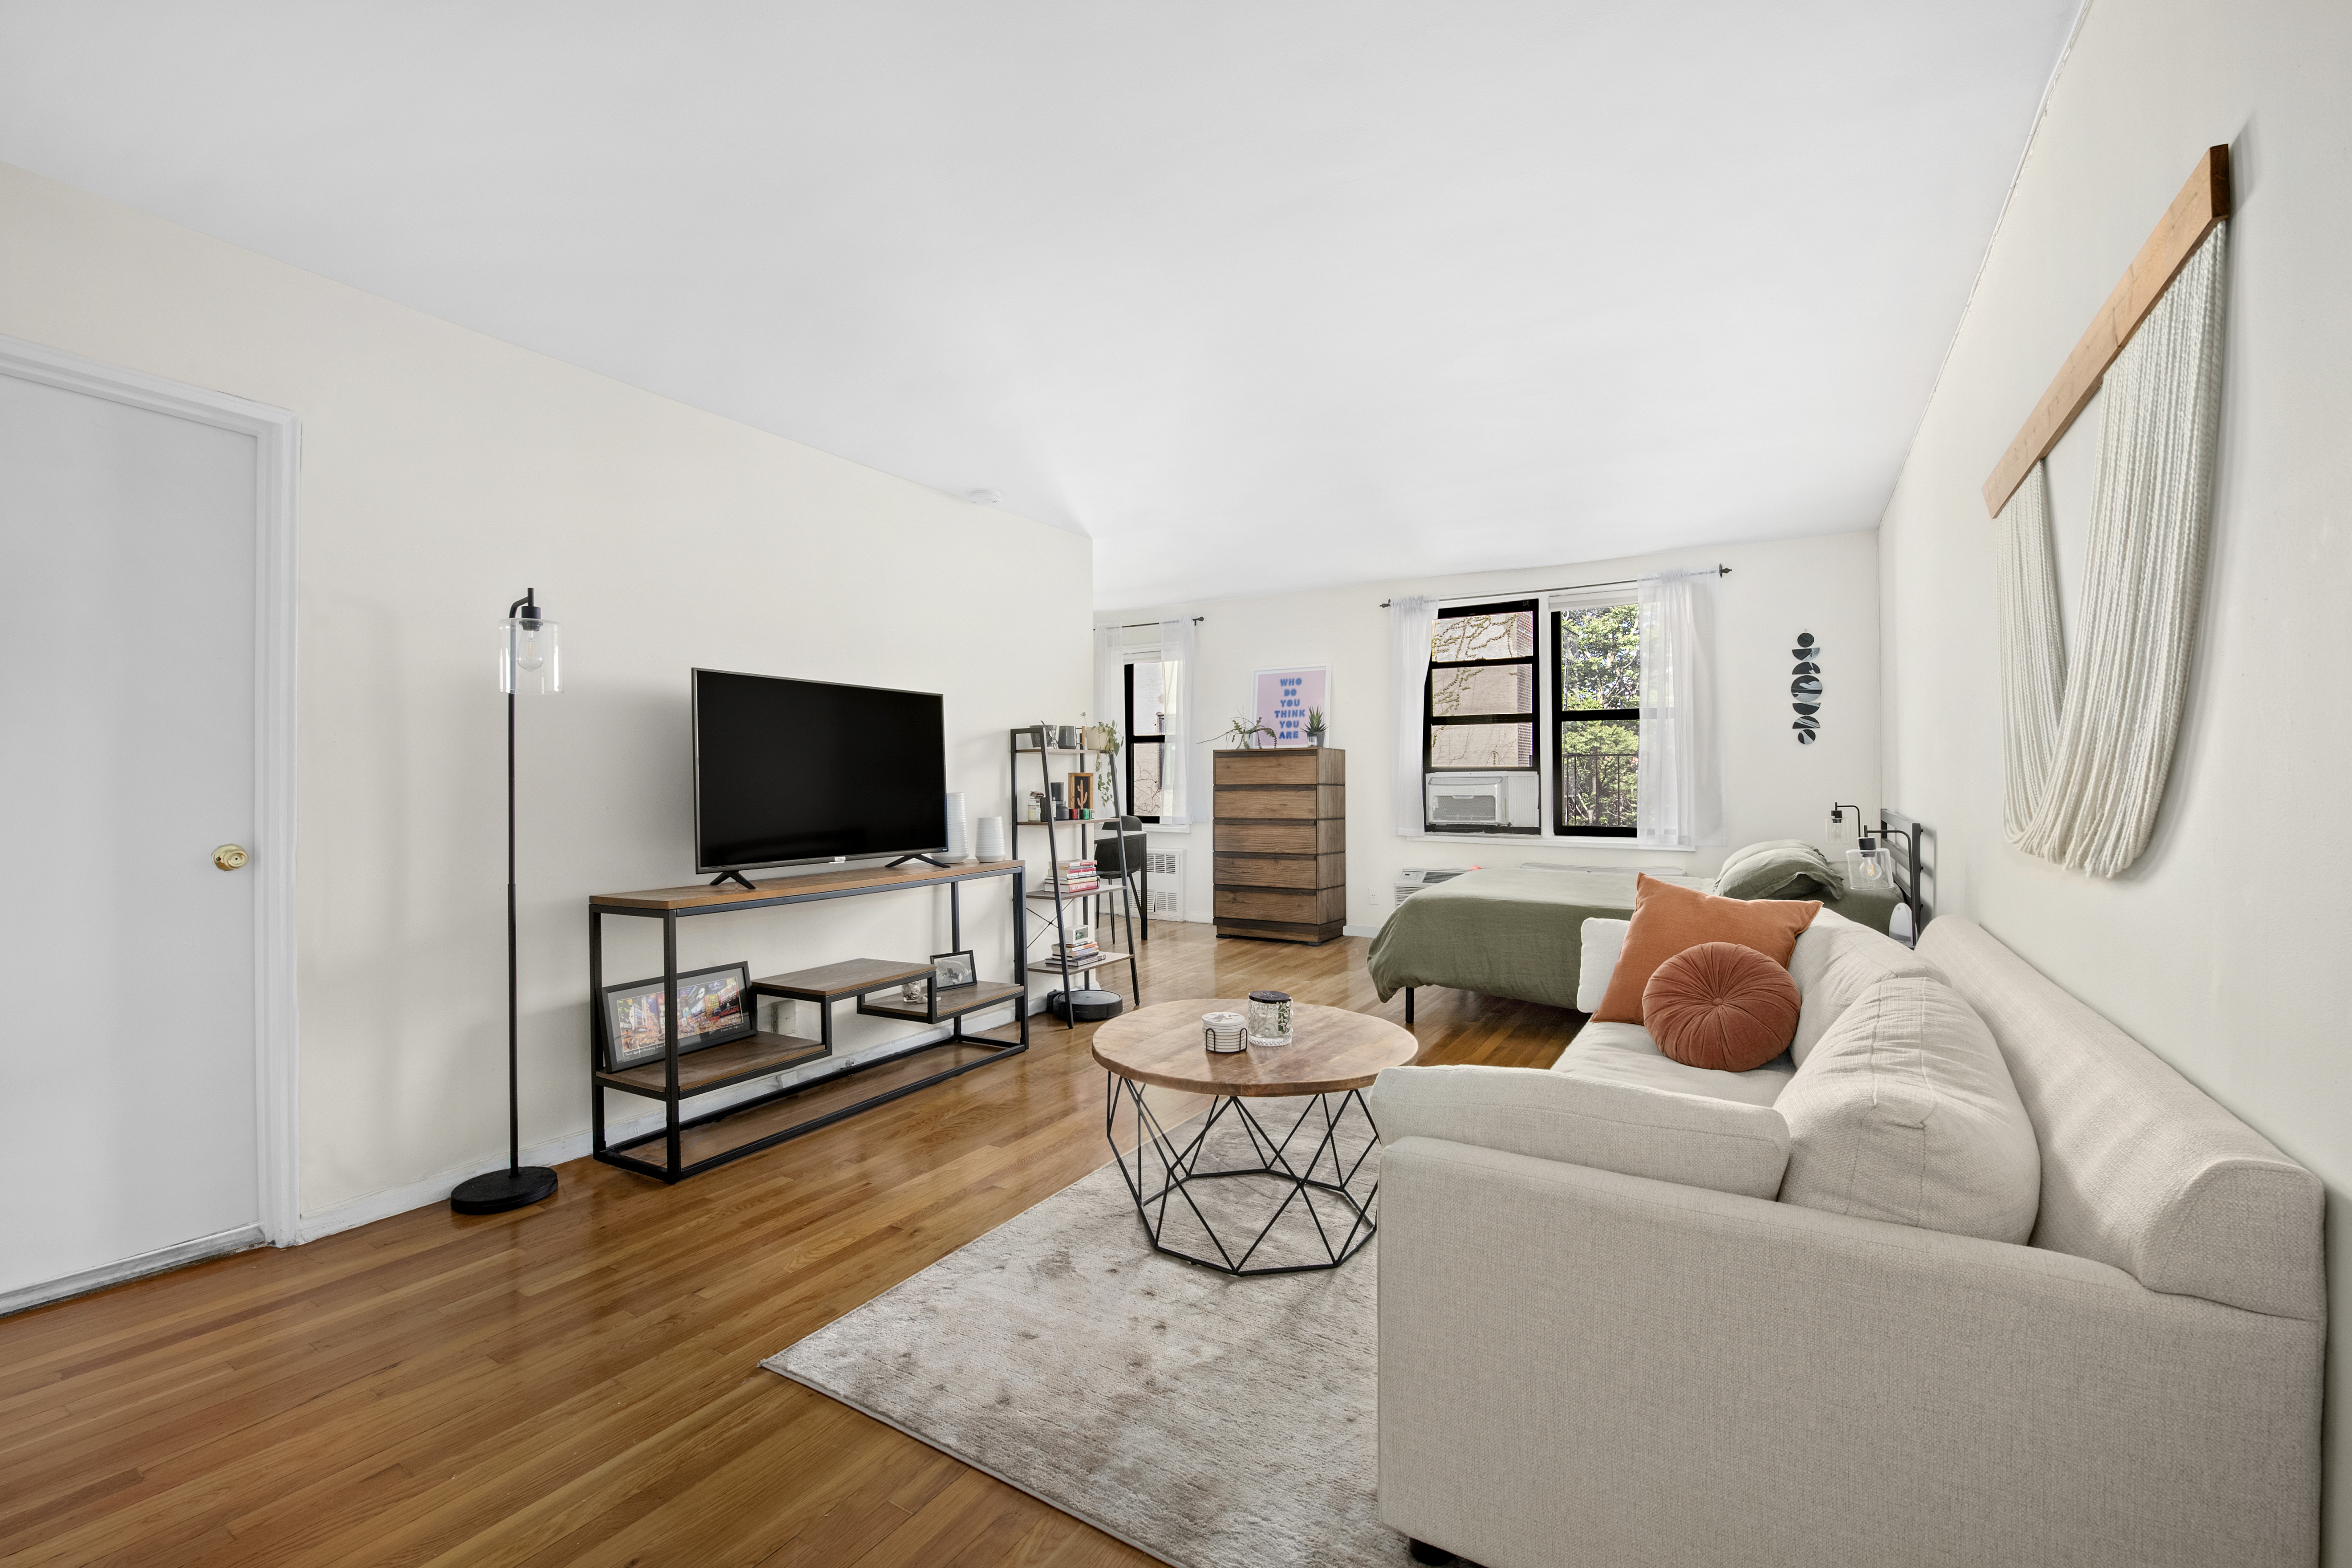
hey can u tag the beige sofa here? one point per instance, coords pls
(1579, 1366)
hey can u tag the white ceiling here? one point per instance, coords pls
(1260, 296)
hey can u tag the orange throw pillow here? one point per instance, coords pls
(1667, 920)
(1721, 1005)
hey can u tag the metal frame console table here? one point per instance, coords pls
(692, 1145)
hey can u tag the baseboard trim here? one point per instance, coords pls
(1359, 930)
(435, 1189)
(220, 1244)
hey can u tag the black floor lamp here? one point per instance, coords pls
(528, 661)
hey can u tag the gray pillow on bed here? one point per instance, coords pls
(1779, 869)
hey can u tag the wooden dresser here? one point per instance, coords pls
(1282, 844)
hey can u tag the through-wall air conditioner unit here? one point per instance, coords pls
(1469, 801)
(1413, 878)
(1163, 884)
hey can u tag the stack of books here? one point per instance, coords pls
(1076, 877)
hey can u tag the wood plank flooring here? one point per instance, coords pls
(576, 1386)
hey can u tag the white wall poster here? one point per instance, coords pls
(1282, 699)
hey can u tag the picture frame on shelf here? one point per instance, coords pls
(1082, 792)
(955, 970)
(714, 1007)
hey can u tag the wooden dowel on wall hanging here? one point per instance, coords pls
(2203, 201)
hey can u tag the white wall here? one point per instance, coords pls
(1774, 788)
(2222, 948)
(443, 473)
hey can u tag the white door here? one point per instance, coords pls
(128, 1050)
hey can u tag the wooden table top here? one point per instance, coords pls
(1331, 1049)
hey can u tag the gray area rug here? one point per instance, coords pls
(1210, 1421)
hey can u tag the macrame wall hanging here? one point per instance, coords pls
(2088, 733)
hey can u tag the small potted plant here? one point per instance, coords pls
(1315, 726)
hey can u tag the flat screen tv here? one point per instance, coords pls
(788, 771)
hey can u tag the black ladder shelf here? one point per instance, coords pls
(1138, 922)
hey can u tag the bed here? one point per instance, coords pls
(1520, 933)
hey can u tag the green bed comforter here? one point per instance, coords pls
(1521, 934)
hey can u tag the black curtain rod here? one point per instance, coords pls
(1137, 625)
(1570, 588)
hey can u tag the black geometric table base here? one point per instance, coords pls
(1165, 1165)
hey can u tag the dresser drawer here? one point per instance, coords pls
(1261, 803)
(1309, 872)
(1268, 904)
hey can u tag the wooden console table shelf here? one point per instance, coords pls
(689, 1144)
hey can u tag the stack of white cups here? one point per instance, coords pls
(990, 840)
(958, 831)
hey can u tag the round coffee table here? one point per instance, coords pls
(1334, 1055)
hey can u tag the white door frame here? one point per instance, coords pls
(278, 460)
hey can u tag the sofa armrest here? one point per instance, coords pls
(1726, 1145)
(1582, 1366)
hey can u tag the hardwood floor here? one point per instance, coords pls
(577, 1383)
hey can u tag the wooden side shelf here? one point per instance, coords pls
(689, 1145)
(699, 1072)
(953, 1004)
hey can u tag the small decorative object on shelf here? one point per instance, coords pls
(955, 969)
(1806, 689)
(959, 830)
(1241, 735)
(1315, 727)
(1069, 738)
(1082, 792)
(711, 1011)
(1269, 1018)
(1224, 1033)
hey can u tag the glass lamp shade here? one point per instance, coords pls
(530, 657)
(1837, 830)
(1869, 870)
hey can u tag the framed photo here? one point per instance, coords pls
(714, 1007)
(955, 969)
(1082, 792)
(1282, 699)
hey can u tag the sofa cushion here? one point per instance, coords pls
(1631, 1129)
(1836, 961)
(1721, 1005)
(1624, 1053)
(2140, 1169)
(1667, 919)
(1904, 1112)
(1601, 940)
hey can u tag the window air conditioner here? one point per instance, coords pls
(1469, 800)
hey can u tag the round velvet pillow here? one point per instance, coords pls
(1720, 1005)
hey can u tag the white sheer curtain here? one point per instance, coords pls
(1180, 671)
(2089, 792)
(1680, 803)
(1110, 699)
(1410, 620)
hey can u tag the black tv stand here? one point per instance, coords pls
(724, 878)
(917, 856)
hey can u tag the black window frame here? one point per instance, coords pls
(1560, 717)
(1532, 718)
(1135, 740)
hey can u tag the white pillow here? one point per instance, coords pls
(1904, 1111)
(1603, 940)
(1631, 1129)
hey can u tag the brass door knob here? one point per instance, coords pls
(229, 856)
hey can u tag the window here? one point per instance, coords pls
(1146, 736)
(1596, 719)
(1478, 745)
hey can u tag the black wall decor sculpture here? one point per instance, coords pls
(1807, 688)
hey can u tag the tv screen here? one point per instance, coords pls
(792, 771)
